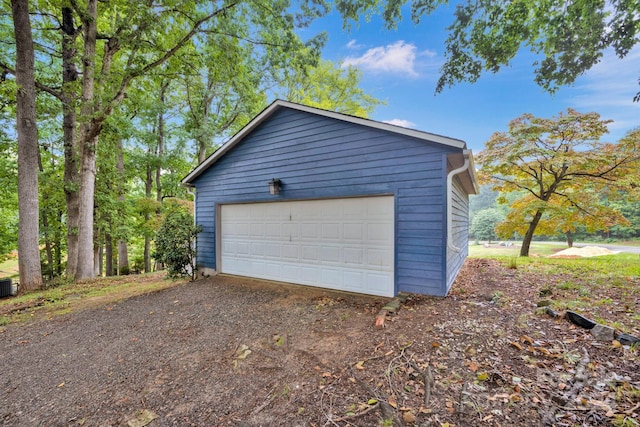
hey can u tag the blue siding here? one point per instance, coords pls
(320, 157)
(460, 233)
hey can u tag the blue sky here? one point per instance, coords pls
(402, 66)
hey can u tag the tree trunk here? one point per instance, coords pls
(160, 148)
(147, 217)
(89, 140)
(58, 245)
(49, 271)
(108, 255)
(202, 151)
(85, 267)
(69, 76)
(97, 260)
(123, 256)
(160, 153)
(569, 239)
(28, 209)
(526, 243)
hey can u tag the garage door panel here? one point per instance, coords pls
(353, 232)
(310, 253)
(272, 250)
(380, 232)
(353, 255)
(290, 230)
(257, 229)
(332, 277)
(273, 230)
(290, 252)
(330, 254)
(344, 244)
(379, 259)
(330, 231)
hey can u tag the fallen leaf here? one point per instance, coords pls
(482, 376)
(392, 402)
(408, 417)
(143, 418)
(526, 339)
(242, 352)
(543, 351)
(359, 365)
(61, 385)
(372, 401)
(516, 345)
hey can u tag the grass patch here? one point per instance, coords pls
(73, 297)
(604, 288)
(497, 251)
(602, 268)
(9, 268)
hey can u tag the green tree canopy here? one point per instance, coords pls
(562, 170)
(331, 87)
(568, 37)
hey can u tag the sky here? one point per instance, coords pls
(401, 67)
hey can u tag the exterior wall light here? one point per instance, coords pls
(274, 186)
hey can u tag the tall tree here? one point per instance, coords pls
(560, 167)
(28, 236)
(68, 97)
(567, 36)
(331, 87)
(223, 88)
(172, 29)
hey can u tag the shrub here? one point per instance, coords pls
(175, 244)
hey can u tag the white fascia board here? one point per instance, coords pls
(439, 139)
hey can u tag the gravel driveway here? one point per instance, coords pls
(189, 355)
(237, 352)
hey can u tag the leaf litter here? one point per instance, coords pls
(241, 352)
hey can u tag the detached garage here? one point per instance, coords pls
(313, 197)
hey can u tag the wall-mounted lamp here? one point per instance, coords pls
(274, 186)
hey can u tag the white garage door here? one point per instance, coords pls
(344, 244)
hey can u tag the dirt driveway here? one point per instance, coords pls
(229, 351)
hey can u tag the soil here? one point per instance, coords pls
(240, 352)
(583, 252)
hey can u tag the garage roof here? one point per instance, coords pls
(277, 104)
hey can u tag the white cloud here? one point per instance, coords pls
(399, 57)
(608, 88)
(353, 44)
(400, 122)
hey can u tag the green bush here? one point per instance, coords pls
(483, 226)
(175, 244)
